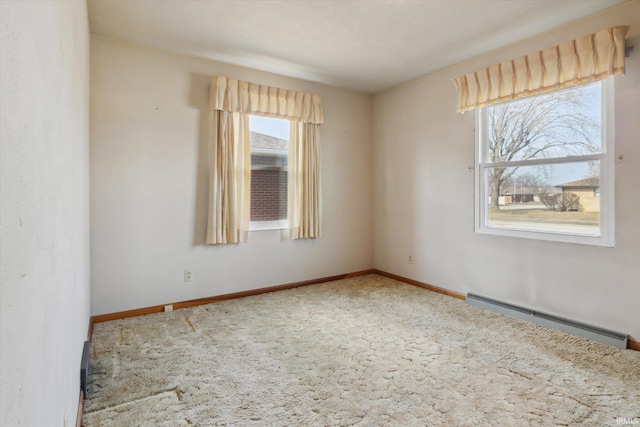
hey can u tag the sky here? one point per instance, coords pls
(270, 126)
(567, 172)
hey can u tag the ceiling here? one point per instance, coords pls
(365, 45)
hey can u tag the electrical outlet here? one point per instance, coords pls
(168, 307)
(410, 259)
(187, 275)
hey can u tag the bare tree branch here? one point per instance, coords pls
(550, 125)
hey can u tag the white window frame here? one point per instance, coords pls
(268, 225)
(606, 158)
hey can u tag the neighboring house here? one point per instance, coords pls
(520, 195)
(269, 157)
(260, 141)
(588, 190)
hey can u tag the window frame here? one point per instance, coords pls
(606, 158)
(279, 224)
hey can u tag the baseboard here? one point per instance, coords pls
(80, 410)
(422, 285)
(128, 313)
(209, 300)
(633, 345)
(90, 332)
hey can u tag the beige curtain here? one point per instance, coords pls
(583, 60)
(251, 98)
(305, 195)
(229, 179)
(230, 103)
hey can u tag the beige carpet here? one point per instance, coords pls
(367, 351)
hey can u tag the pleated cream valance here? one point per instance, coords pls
(583, 60)
(251, 98)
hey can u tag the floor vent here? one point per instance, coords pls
(84, 368)
(614, 339)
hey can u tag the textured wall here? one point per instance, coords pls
(149, 184)
(424, 199)
(44, 209)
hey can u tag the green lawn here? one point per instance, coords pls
(545, 216)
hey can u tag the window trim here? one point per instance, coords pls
(606, 158)
(268, 225)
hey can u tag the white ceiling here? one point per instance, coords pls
(362, 45)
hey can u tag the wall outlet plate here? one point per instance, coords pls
(168, 307)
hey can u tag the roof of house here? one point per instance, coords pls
(592, 182)
(268, 142)
(508, 191)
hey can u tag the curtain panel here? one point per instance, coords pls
(305, 201)
(583, 60)
(229, 178)
(230, 104)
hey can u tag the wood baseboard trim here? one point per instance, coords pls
(423, 285)
(210, 300)
(90, 332)
(633, 345)
(128, 313)
(80, 409)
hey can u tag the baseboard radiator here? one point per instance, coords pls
(84, 369)
(604, 336)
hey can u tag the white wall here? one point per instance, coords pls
(149, 179)
(44, 134)
(424, 199)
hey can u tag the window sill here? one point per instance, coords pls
(584, 239)
(268, 225)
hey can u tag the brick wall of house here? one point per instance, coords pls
(268, 191)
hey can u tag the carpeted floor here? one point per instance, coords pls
(366, 351)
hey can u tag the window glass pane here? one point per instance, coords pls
(268, 195)
(269, 140)
(559, 198)
(557, 124)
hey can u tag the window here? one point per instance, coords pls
(269, 162)
(545, 166)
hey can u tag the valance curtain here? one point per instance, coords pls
(230, 104)
(251, 98)
(583, 60)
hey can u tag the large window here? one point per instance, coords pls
(269, 172)
(545, 166)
